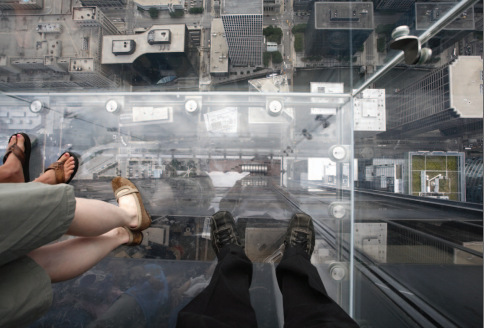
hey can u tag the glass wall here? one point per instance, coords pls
(365, 115)
(418, 211)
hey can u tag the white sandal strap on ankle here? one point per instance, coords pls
(123, 191)
(127, 190)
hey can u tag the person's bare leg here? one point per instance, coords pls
(94, 217)
(49, 176)
(68, 259)
(12, 171)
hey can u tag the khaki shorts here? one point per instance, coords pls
(31, 215)
(25, 293)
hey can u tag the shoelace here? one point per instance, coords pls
(223, 237)
(301, 239)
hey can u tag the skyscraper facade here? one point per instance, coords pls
(399, 5)
(92, 17)
(21, 5)
(243, 29)
(449, 99)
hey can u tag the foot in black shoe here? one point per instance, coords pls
(300, 233)
(223, 231)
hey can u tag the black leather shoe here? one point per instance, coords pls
(223, 231)
(300, 233)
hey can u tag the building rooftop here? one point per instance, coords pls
(155, 3)
(20, 38)
(22, 2)
(325, 87)
(142, 46)
(219, 49)
(428, 13)
(84, 13)
(242, 7)
(276, 83)
(82, 65)
(466, 86)
(343, 15)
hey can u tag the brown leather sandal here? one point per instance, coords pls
(123, 187)
(23, 156)
(58, 168)
(135, 237)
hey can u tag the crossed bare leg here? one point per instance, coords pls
(98, 225)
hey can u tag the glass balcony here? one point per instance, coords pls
(365, 115)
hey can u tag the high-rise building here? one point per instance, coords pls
(438, 174)
(92, 72)
(243, 29)
(448, 100)
(272, 6)
(165, 47)
(334, 26)
(435, 174)
(94, 17)
(219, 49)
(382, 174)
(403, 5)
(46, 60)
(479, 24)
(474, 170)
(21, 4)
(170, 5)
(216, 8)
(104, 3)
(299, 5)
(423, 14)
(397, 5)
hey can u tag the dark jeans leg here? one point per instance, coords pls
(306, 303)
(225, 302)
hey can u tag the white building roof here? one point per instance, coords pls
(219, 49)
(177, 44)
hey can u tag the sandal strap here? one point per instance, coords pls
(135, 237)
(58, 168)
(14, 149)
(127, 190)
(124, 190)
(130, 234)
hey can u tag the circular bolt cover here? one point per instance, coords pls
(339, 211)
(339, 152)
(36, 106)
(400, 31)
(191, 106)
(337, 273)
(112, 106)
(367, 152)
(275, 107)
